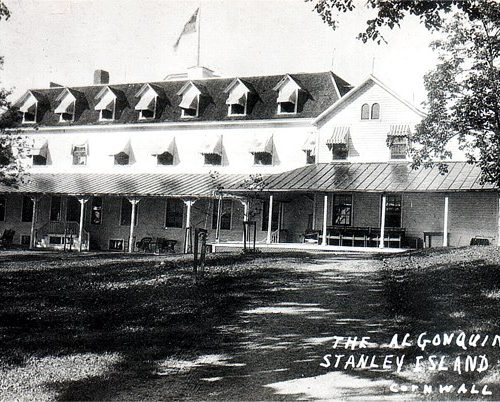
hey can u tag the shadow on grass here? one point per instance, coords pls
(254, 328)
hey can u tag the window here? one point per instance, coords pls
(310, 157)
(27, 209)
(29, 117)
(107, 114)
(375, 111)
(393, 211)
(72, 210)
(237, 110)
(225, 218)
(122, 158)
(2, 209)
(146, 114)
(55, 209)
(116, 244)
(79, 155)
(189, 112)
(66, 117)
(39, 160)
(262, 158)
(174, 216)
(213, 159)
(25, 240)
(342, 209)
(96, 211)
(365, 112)
(166, 158)
(398, 146)
(339, 151)
(265, 216)
(126, 212)
(287, 107)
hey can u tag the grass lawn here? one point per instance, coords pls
(108, 326)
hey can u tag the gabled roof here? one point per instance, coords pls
(321, 87)
(352, 92)
(238, 81)
(38, 95)
(286, 79)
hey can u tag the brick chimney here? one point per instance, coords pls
(101, 77)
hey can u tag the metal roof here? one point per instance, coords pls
(132, 184)
(374, 177)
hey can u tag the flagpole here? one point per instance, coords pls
(199, 26)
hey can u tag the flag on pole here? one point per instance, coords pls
(189, 27)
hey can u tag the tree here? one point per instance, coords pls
(12, 145)
(464, 94)
(391, 13)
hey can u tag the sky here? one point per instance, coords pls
(64, 41)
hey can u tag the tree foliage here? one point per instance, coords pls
(464, 94)
(13, 145)
(391, 13)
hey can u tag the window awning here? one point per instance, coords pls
(288, 94)
(340, 135)
(147, 102)
(40, 147)
(81, 145)
(106, 102)
(121, 146)
(237, 96)
(67, 105)
(29, 105)
(262, 144)
(310, 144)
(190, 99)
(399, 130)
(212, 145)
(167, 146)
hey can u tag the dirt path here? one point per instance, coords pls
(276, 344)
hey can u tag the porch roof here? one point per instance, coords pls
(373, 177)
(131, 184)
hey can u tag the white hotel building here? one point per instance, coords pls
(307, 157)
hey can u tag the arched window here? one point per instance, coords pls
(375, 111)
(365, 112)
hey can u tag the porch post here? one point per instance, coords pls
(82, 201)
(219, 216)
(246, 216)
(269, 219)
(34, 199)
(187, 244)
(134, 202)
(315, 203)
(382, 222)
(325, 218)
(445, 222)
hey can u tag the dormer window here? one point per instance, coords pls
(238, 96)
(106, 104)
(262, 150)
(190, 103)
(66, 107)
(122, 154)
(28, 106)
(165, 158)
(289, 91)
(79, 152)
(148, 102)
(212, 150)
